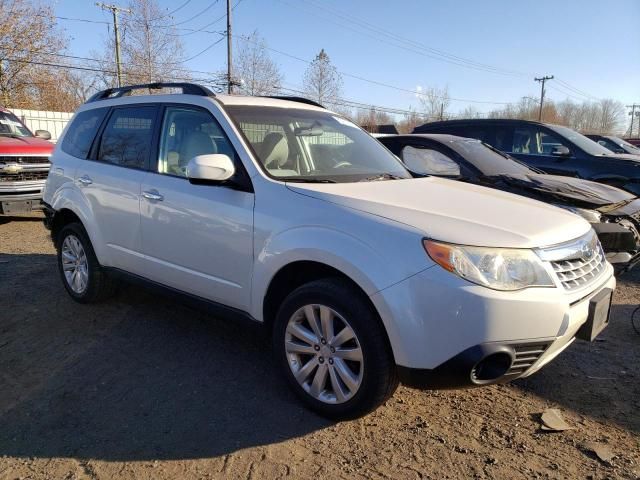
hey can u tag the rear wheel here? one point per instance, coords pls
(333, 349)
(82, 276)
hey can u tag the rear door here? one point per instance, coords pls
(110, 182)
(196, 238)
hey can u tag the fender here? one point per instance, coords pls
(67, 197)
(352, 256)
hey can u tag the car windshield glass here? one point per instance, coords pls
(310, 145)
(10, 125)
(586, 144)
(486, 159)
(628, 146)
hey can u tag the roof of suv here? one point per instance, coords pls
(470, 121)
(201, 91)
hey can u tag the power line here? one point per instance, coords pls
(202, 29)
(403, 43)
(196, 15)
(373, 82)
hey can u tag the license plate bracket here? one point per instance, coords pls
(17, 207)
(598, 318)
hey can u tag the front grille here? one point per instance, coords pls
(577, 264)
(574, 274)
(526, 355)
(23, 160)
(23, 176)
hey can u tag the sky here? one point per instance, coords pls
(487, 52)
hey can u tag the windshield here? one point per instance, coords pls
(628, 146)
(11, 126)
(314, 146)
(586, 144)
(486, 159)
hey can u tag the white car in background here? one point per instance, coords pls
(288, 214)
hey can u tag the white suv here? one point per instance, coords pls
(285, 213)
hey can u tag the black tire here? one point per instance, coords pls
(379, 378)
(99, 285)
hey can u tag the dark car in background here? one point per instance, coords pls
(553, 149)
(614, 213)
(615, 144)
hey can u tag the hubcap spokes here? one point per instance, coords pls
(74, 264)
(324, 354)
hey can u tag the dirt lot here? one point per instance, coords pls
(140, 387)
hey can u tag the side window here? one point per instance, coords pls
(534, 141)
(429, 162)
(126, 140)
(187, 133)
(80, 134)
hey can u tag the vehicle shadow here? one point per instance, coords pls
(138, 377)
(37, 217)
(601, 379)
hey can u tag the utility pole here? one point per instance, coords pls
(115, 10)
(229, 81)
(633, 114)
(442, 111)
(542, 80)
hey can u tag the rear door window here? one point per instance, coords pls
(82, 131)
(127, 137)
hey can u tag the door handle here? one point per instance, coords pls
(153, 195)
(85, 180)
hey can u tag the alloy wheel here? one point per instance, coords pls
(324, 354)
(75, 264)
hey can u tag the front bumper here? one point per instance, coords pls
(441, 326)
(20, 197)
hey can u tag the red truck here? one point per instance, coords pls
(24, 165)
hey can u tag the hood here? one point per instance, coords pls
(625, 156)
(556, 189)
(455, 212)
(25, 146)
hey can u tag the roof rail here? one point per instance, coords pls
(117, 92)
(295, 99)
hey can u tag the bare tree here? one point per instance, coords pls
(151, 49)
(322, 81)
(605, 116)
(372, 118)
(255, 71)
(434, 102)
(470, 112)
(410, 121)
(29, 42)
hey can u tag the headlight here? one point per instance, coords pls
(496, 268)
(590, 216)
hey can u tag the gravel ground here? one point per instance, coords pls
(141, 387)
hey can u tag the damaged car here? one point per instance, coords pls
(613, 213)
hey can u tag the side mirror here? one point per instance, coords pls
(560, 151)
(213, 168)
(44, 134)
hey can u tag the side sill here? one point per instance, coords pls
(209, 306)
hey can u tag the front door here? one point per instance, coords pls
(534, 145)
(196, 238)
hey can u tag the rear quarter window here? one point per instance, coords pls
(82, 131)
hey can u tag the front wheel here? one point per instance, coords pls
(333, 349)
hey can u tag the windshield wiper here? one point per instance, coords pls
(309, 180)
(381, 176)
